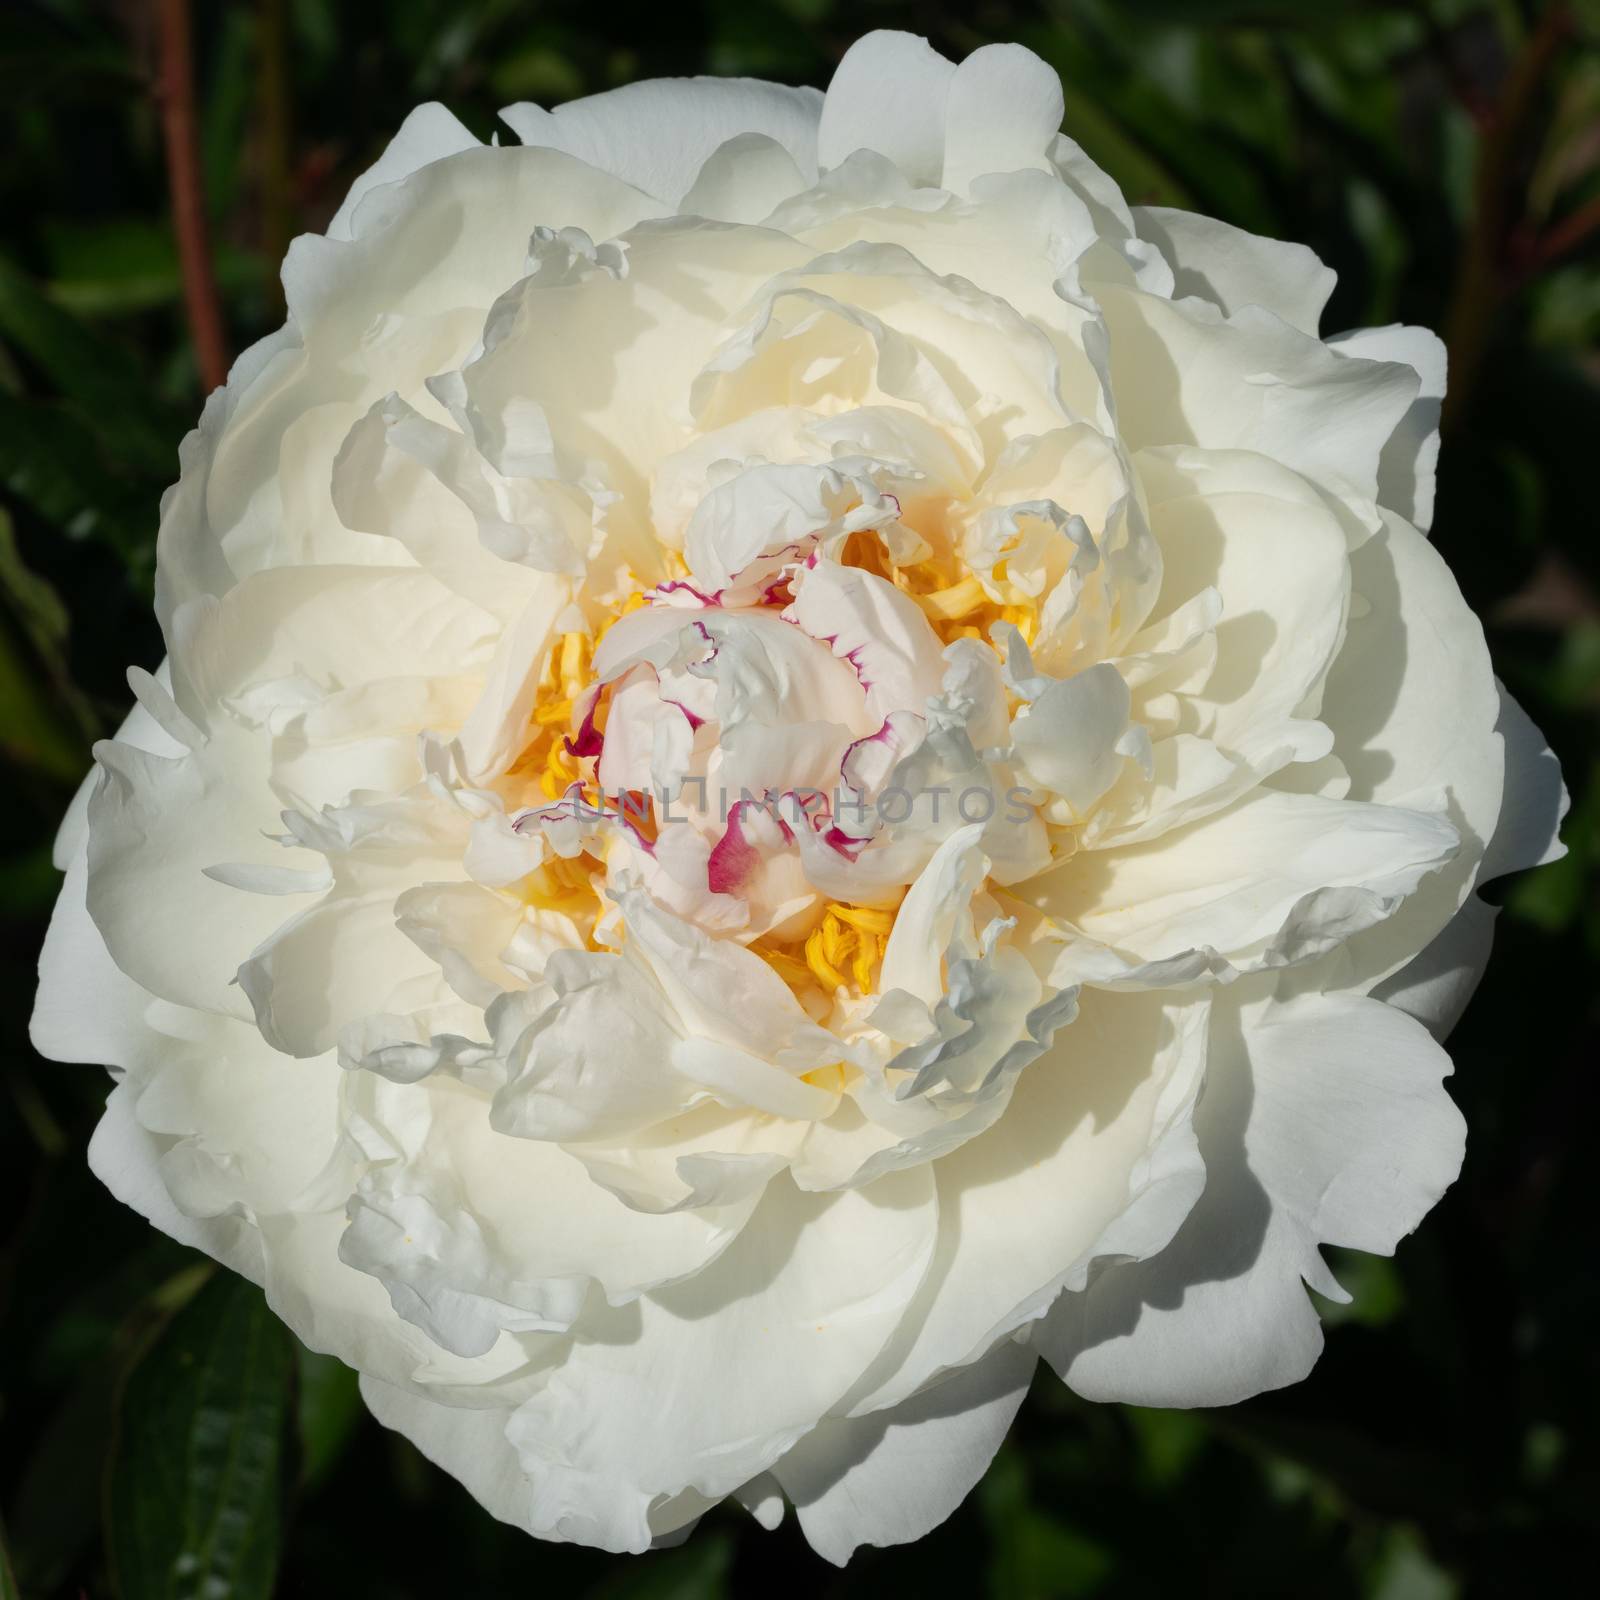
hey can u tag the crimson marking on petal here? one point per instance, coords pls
(733, 860)
(674, 585)
(695, 721)
(556, 811)
(589, 740)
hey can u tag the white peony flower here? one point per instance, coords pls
(801, 760)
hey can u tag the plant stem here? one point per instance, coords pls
(1481, 283)
(175, 94)
(277, 200)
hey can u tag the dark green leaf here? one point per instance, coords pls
(33, 733)
(53, 461)
(697, 1570)
(57, 1505)
(329, 1412)
(118, 265)
(8, 1581)
(1036, 1553)
(194, 1503)
(43, 620)
(89, 370)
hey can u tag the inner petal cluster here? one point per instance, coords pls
(714, 741)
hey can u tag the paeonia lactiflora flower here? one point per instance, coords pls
(801, 760)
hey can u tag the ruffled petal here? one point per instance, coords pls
(816, 1284)
(1324, 1121)
(658, 135)
(891, 1477)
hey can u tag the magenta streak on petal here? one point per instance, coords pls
(733, 860)
(695, 721)
(639, 840)
(849, 657)
(706, 634)
(589, 740)
(884, 735)
(889, 733)
(771, 595)
(847, 845)
(853, 657)
(573, 805)
(552, 812)
(823, 825)
(821, 821)
(672, 585)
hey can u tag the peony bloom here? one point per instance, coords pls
(801, 760)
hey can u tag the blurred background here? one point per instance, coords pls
(162, 1436)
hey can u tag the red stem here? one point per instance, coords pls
(1565, 236)
(175, 93)
(1481, 284)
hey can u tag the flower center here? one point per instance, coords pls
(833, 952)
(947, 591)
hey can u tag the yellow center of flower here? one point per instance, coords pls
(947, 591)
(842, 951)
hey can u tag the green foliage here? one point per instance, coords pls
(194, 1488)
(163, 1436)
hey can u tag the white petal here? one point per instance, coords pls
(1276, 877)
(880, 631)
(1527, 831)
(1184, 374)
(761, 509)
(1068, 742)
(1003, 110)
(1095, 1158)
(1231, 268)
(1435, 986)
(337, 1310)
(125, 1157)
(155, 826)
(1407, 468)
(665, 1396)
(332, 626)
(744, 180)
(1267, 544)
(721, 993)
(935, 913)
(1414, 708)
(1324, 1121)
(895, 1475)
(888, 94)
(348, 956)
(87, 1009)
(658, 134)
(597, 1061)
(472, 1232)
(430, 133)
(468, 1442)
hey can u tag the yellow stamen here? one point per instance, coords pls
(830, 1077)
(794, 973)
(959, 600)
(868, 955)
(560, 771)
(816, 958)
(634, 601)
(1025, 619)
(866, 918)
(574, 663)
